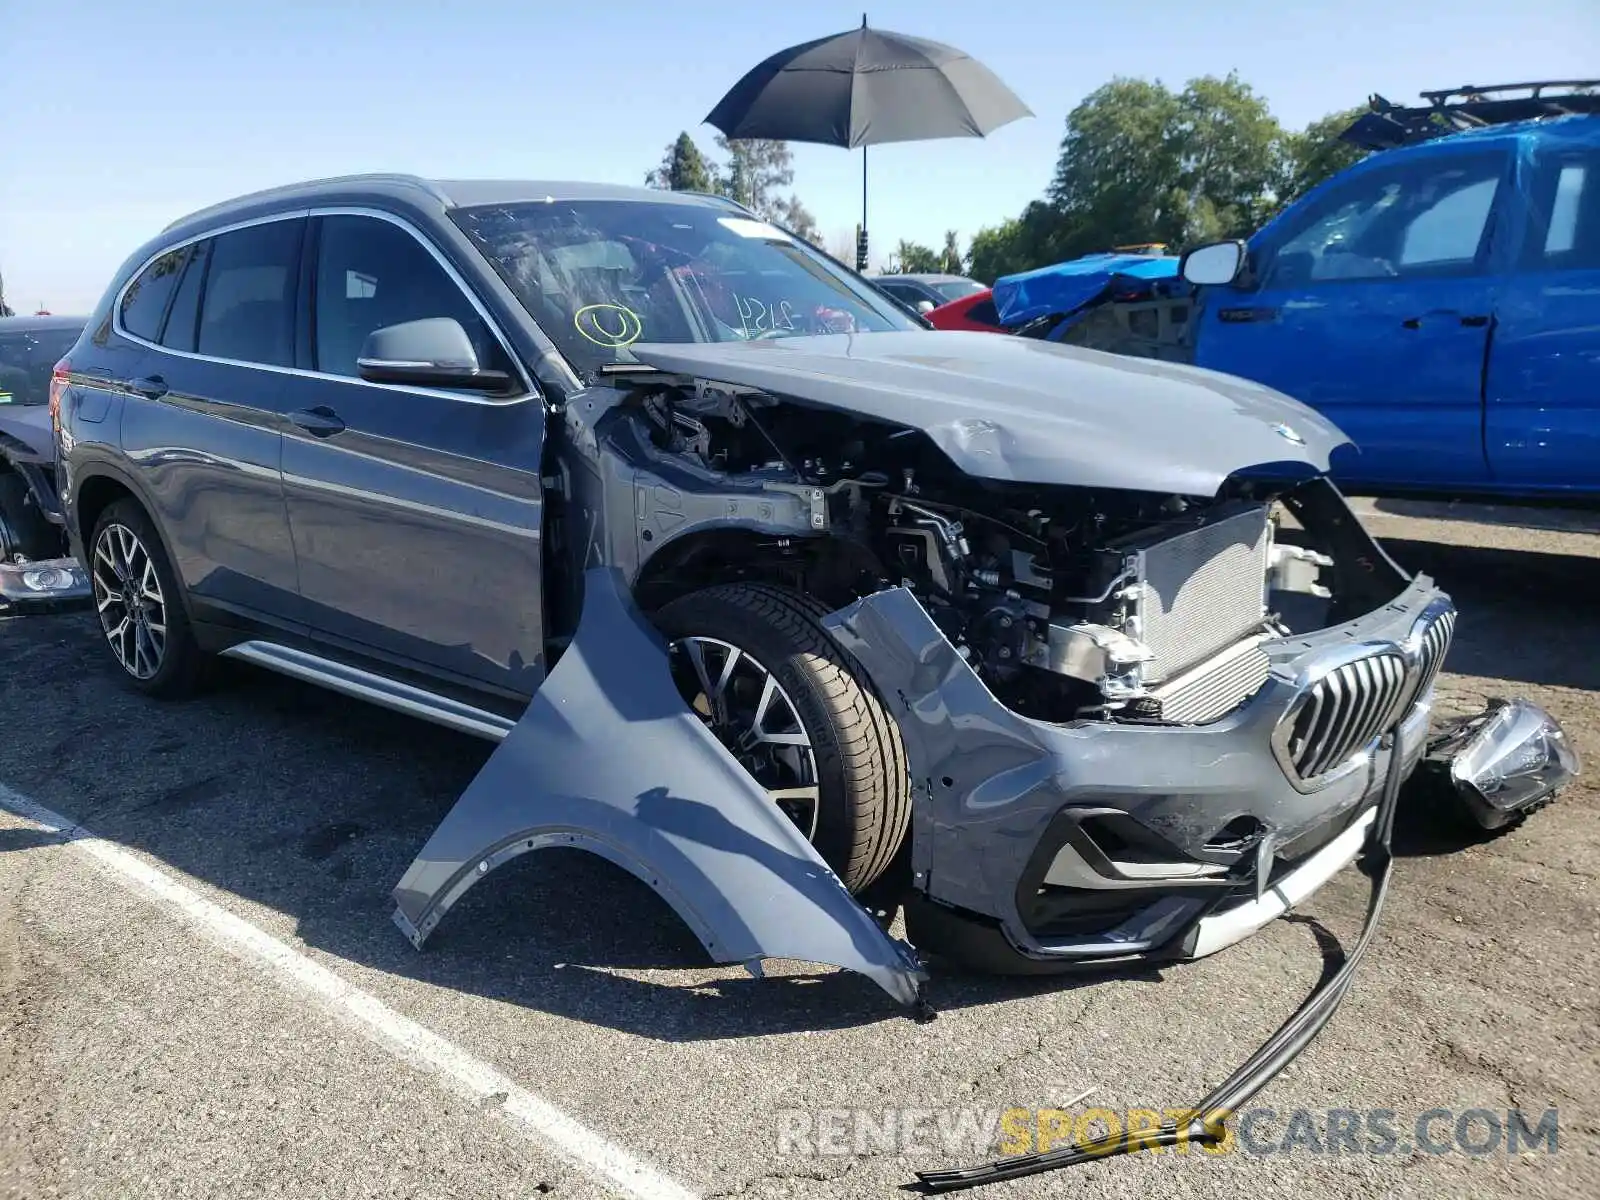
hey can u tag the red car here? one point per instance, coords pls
(975, 313)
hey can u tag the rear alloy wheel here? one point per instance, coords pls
(786, 702)
(136, 598)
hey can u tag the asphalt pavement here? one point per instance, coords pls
(201, 992)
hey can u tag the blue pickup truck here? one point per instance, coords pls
(1440, 299)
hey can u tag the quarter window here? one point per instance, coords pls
(144, 304)
(248, 309)
(372, 274)
(1427, 217)
(184, 316)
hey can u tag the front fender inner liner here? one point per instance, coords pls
(608, 758)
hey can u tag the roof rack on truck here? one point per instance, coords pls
(1455, 110)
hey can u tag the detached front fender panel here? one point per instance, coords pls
(608, 758)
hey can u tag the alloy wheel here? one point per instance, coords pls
(129, 600)
(753, 716)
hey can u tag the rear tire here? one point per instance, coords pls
(141, 605)
(862, 793)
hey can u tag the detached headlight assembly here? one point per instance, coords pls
(1507, 760)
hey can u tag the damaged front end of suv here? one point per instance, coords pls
(1081, 660)
(1131, 676)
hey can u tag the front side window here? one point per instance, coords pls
(601, 275)
(247, 313)
(144, 304)
(372, 273)
(1422, 218)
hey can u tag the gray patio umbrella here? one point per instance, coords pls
(864, 88)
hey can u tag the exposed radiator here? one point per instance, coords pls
(1201, 590)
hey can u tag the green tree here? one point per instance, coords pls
(1117, 176)
(1032, 240)
(913, 258)
(1316, 154)
(756, 171)
(683, 168)
(1229, 151)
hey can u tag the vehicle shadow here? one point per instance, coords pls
(289, 797)
(1525, 615)
(1550, 517)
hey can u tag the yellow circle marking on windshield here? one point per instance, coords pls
(609, 325)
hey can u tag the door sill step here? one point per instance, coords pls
(375, 689)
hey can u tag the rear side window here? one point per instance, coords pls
(1566, 214)
(144, 304)
(247, 310)
(371, 274)
(183, 318)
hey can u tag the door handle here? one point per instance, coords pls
(1470, 320)
(151, 387)
(320, 421)
(1246, 316)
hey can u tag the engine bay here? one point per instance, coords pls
(1068, 603)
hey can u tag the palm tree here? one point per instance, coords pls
(952, 253)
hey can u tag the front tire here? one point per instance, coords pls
(777, 690)
(140, 604)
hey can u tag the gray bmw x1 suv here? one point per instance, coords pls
(794, 608)
(769, 594)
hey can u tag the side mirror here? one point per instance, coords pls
(925, 306)
(434, 352)
(1216, 265)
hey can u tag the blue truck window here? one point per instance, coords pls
(1565, 204)
(1426, 216)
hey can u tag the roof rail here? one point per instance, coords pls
(1454, 110)
(290, 188)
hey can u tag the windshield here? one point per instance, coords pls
(954, 289)
(600, 275)
(27, 357)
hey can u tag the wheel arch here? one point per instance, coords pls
(825, 565)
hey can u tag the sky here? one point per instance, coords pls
(121, 117)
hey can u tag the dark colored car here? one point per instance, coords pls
(33, 541)
(923, 293)
(769, 594)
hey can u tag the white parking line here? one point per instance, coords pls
(417, 1046)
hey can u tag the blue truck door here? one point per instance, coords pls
(1373, 305)
(1543, 397)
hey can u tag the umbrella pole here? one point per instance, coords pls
(861, 242)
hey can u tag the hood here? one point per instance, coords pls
(1026, 411)
(29, 426)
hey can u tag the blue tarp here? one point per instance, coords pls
(1067, 287)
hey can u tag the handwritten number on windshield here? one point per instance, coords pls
(764, 318)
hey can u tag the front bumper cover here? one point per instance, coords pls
(999, 797)
(1207, 1124)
